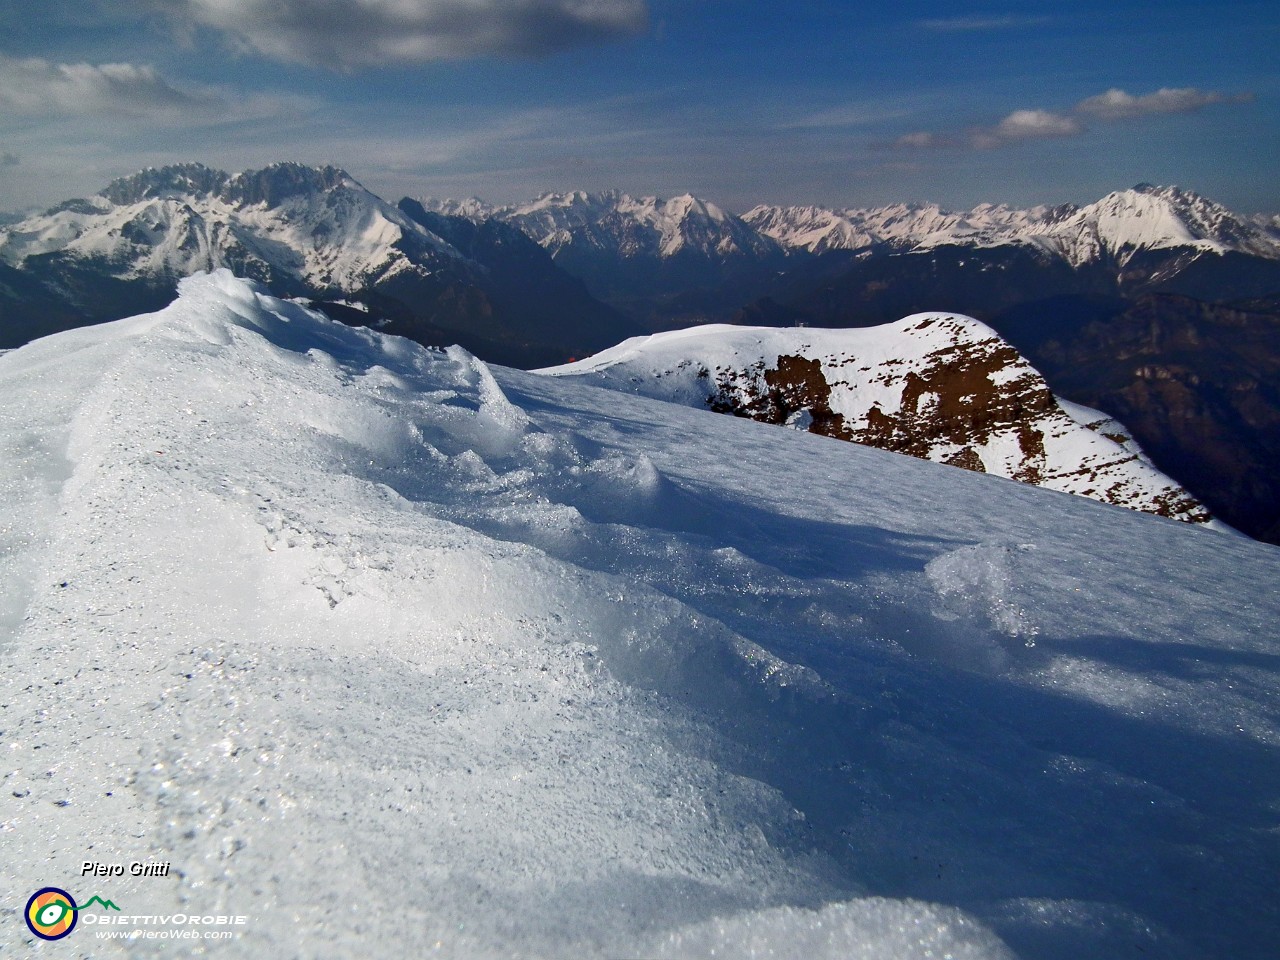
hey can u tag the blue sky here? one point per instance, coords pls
(738, 101)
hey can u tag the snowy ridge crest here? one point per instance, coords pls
(349, 496)
(619, 678)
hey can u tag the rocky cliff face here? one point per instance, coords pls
(1196, 382)
(935, 386)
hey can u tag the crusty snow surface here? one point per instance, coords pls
(400, 655)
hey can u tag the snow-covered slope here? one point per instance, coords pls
(393, 653)
(941, 387)
(1112, 230)
(314, 229)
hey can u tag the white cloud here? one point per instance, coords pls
(1018, 127)
(1116, 104)
(361, 33)
(38, 87)
(1036, 125)
(1023, 125)
(125, 96)
(837, 117)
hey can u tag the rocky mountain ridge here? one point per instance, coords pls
(934, 386)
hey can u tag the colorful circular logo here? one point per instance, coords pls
(51, 913)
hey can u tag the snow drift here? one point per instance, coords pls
(398, 654)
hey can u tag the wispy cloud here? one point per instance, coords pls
(848, 116)
(361, 33)
(38, 87)
(978, 24)
(1021, 126)
(115, 92)
(1027, 125)
(1116, 104)
(1018, 127)
(926, 140)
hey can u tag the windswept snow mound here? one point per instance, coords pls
(399, 654)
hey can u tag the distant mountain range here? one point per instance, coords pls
(664, 259)
(1114, 230)
(663, 262)
(1154, 304)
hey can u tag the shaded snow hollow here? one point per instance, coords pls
(398, 654)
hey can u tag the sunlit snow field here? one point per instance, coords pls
(400, 655)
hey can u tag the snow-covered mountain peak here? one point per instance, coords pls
(811, 228)
(273, 185)
(635, 227)
(941, 387)
(579, 204)
(177, 180)
(1146, 218)
(473, 208)
(313, 229)
(687, 205)
(270, 186)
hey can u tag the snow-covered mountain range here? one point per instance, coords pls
(936, 386)
(319, 230)
(673, 263)
(636, 252)
(391, 651)
(316, 232)
(1114, 229)
(621, 224)
(305, 231)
